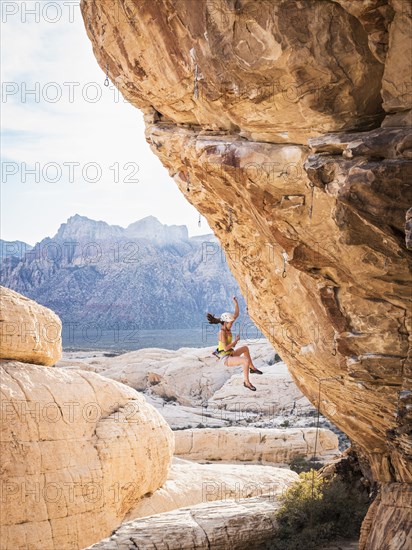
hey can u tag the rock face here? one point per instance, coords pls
(78, 451)
(257, 445)
(189, 484)
(223, 524)
(29, 332)
(253, 64)
(270, 114)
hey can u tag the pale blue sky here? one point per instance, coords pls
(82, 135)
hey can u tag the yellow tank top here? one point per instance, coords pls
(221, 347)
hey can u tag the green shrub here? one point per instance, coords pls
(315, 511)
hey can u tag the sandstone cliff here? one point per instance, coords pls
(284, 123)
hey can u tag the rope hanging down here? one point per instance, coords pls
(196, 75)
(106, 82)
(284, 265)
(196, 86)
(312, 186)
(246, 311)
(320, 380)
(334, 351)
(230, 220)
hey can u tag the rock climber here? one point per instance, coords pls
(225, 350)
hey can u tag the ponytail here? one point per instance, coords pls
(213, 320)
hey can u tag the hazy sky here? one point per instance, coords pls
(72, 145)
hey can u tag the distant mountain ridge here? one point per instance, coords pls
(13, 248)
(147, 228)
(147, 275)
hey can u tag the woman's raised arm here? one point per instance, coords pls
(236, 314)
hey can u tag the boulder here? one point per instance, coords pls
(189, 483)
(29, 332)
(266, 445)
(78, 451)
(223, 525)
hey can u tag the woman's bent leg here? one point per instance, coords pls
(235, 361)
(245, 350)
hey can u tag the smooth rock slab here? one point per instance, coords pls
(189, 483)
(219, 525)
(267, 445)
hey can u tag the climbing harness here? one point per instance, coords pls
(107, 82)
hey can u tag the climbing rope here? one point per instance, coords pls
(196, 87)
(320, 380)
(312, 186)
(196, 74)
(246, 311)
(107, 82)
(316, 438)
(230, 220)
(334, 350)
(284, 274)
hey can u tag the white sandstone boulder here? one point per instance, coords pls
(77, 452)
(265, 445)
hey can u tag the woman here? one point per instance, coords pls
(225, 350)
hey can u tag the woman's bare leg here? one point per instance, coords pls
(235, 361)
(244, 350)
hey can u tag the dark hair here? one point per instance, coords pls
(213, 320)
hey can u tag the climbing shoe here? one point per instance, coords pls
(256, 371)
